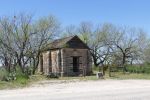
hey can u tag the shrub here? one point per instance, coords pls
(6, 76)
(139, 69)
(22, 79)
(11, 76)
(53, 75)
(20, 75)
(29, 70)
(95, 68)
(3, 74)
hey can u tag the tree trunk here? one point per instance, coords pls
(103, 70)
(123, 62)
(109, 70)
(20, 65)
(35, 63)
(6, 64)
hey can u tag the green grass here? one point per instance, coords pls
(121, 76)
(14, 84)
(22, 81)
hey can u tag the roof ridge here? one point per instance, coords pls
(69, 37)
(66, 37)
(60, 43)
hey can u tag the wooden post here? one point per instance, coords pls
(84, 71)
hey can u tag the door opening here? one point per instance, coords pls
(75, 64)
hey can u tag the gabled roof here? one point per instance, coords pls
(68, 42)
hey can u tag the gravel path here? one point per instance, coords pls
(85, 90)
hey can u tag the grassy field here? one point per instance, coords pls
(23, 82)
(122, 76)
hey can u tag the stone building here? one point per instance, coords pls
(68, 56)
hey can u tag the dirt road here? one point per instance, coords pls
(86, 90)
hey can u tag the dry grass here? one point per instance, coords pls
(22, 82)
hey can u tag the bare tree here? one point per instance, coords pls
(70, 31)
(95, 38)
(124, 43)
(7, 50)
(44, 30)
(22, 40)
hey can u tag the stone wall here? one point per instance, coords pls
(61, 60)
(85, 61)
(55, 61)
(46, 62)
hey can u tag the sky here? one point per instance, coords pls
(132, 13)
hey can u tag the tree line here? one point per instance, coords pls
(23, 38)
(113, 45)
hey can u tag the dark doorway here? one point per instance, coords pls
(75, 64)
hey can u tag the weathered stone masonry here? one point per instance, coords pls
(69, 56)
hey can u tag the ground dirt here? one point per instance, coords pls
(81, 90)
